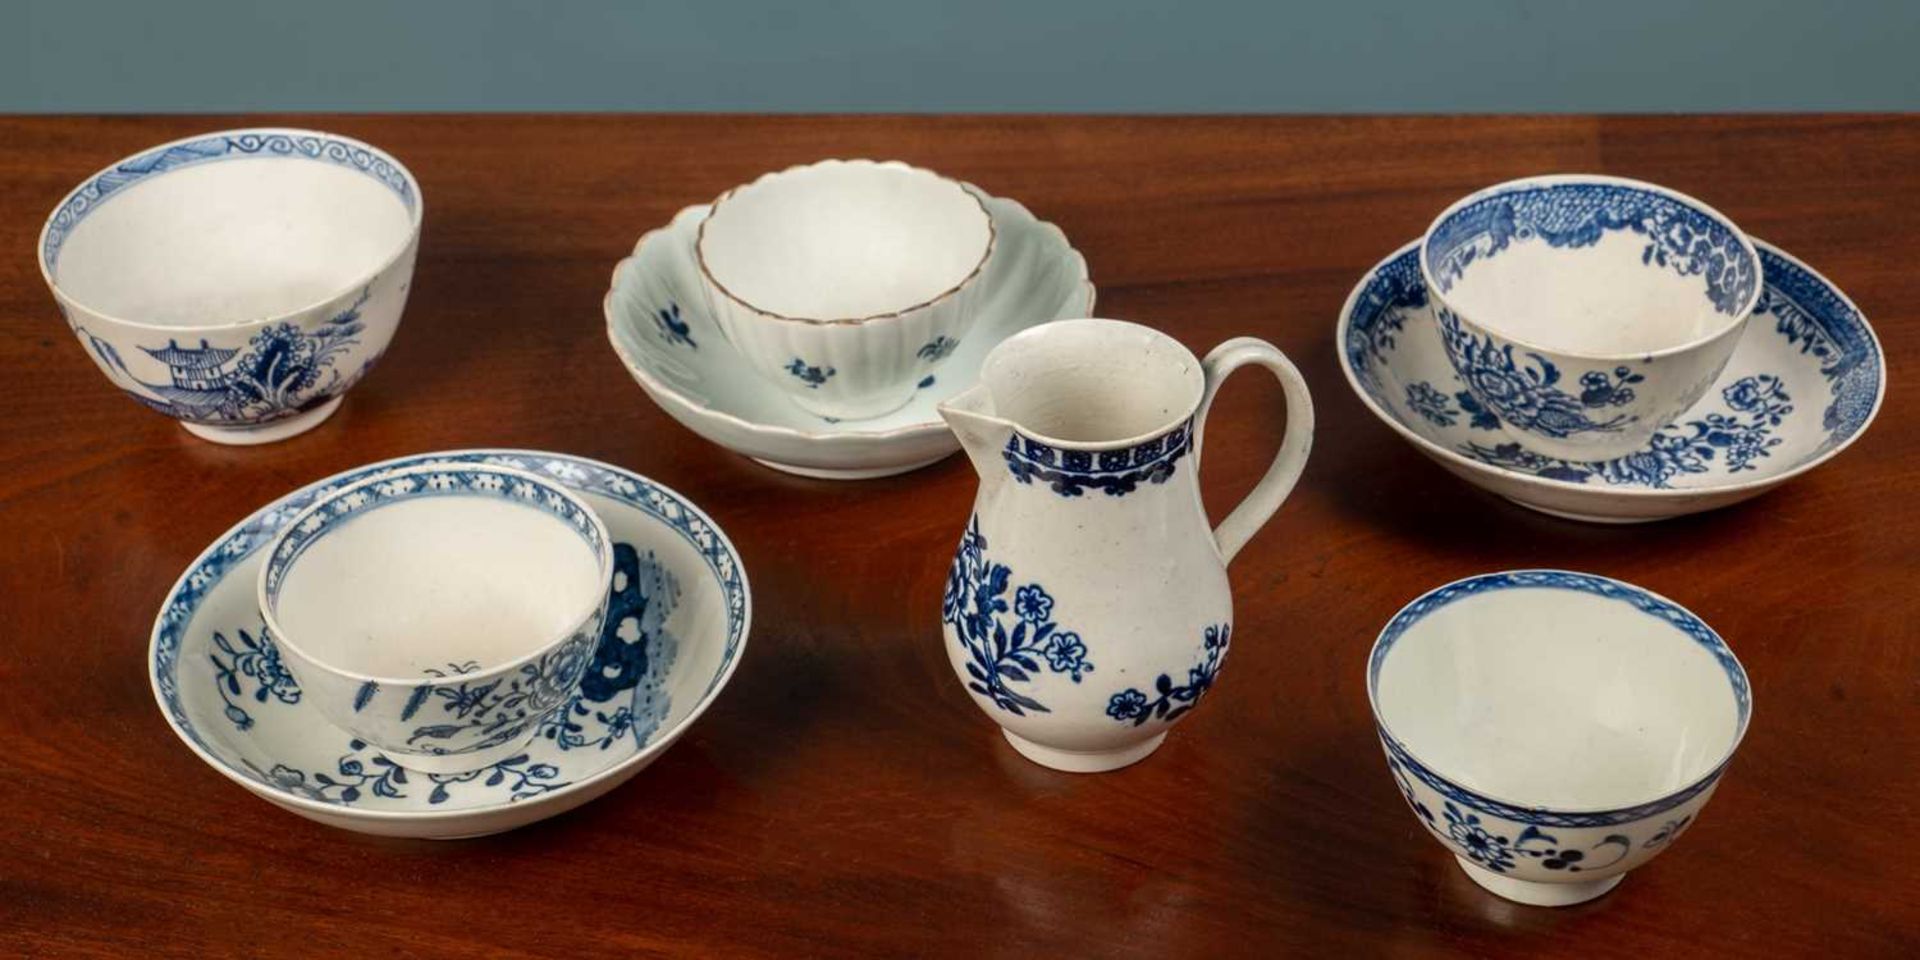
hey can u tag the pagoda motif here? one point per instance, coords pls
(201, 376)
(280, 371)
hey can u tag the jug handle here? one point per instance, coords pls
(1258, 506)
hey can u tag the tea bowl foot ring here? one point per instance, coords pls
(1538, 894)
(453, 763)
(292, 426)
(1078, 761)
(848, 473)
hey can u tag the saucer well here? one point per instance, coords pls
(658, 323)
(676, 625)
(1805, 381)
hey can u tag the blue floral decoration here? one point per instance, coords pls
(1758, 404)
(1465, 832)
(1488, 849)
(1525, 392)
(810, 375)
(673, 329)
(256, 659)
(1171, 701)
(999, 655)
(1429, 403)
(937, 349)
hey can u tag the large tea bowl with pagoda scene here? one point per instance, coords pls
(241, 281)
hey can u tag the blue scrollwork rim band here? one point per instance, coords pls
(211, 148)
(1649, 603)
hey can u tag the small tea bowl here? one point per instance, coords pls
(439, 612)
(845, 283)
(1588, 312)
(241, 281)
(1553, 729)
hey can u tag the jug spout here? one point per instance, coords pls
(970, 414)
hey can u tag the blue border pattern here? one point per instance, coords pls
(1379, 315)
(1811, 314)
(1673, 615)
(1679, 236)
(1115, 472)
(259, 530)
(227, 146)
(482, 481)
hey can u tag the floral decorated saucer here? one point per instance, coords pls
(658, 323)
(676, 625)
(1805, 381)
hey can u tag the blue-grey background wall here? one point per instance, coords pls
(975, 55)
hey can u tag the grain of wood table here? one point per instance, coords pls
(844, 796)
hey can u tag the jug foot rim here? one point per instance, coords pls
(1083, 761)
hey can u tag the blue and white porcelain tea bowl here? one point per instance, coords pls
(846, 282)
(657, 321)
(1804, 382)
(241, 281)
(676, 626)
(1554, 730)
(1587, 312)
(477, 585)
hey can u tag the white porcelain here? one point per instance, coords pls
(846, 282)
(1554, 729)
(477, 587)
(1805, 381)
(238, 281)
(1087, 608)
(1588, 312)
(677, 623)
(659, 327)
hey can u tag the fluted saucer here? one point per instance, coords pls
(658, 323)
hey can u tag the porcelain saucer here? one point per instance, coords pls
(658, 323)
(1805, 381)
(676, 626)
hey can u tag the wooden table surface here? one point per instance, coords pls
(844, 796)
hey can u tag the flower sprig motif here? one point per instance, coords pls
(1000, 654)
(254, 658)
(1172, 701)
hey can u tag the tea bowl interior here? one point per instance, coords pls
(238, 240)
(1591, 266)
(1561, 691)
(436, 578)
(842, 240)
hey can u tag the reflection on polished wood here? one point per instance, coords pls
(844, 796)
